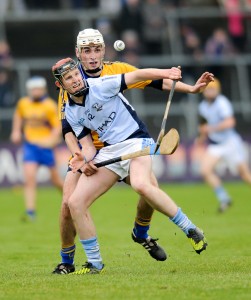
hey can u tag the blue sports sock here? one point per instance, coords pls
(181, 220)
(140, 231)
(222, 194)
(91, 247)
(67, 254)
(31, 214)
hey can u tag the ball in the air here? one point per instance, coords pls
(119, 45)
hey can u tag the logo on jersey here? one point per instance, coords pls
(106, 123)
(81, 121)
(97, 107)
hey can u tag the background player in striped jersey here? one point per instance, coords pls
(90, 51)
(224, 143)
(36, 122)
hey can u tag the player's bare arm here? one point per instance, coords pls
(225, 124)
(153, 74)
(71, 142)
(182, 87)
(16, 133)
(81, 160)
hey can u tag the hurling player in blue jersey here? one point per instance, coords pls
(90, 51)
(97, 104)
(224, 143)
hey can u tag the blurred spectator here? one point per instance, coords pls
(105, 27)
(130, 17)
(133, 48)
(191, 42)
(5, 55)
(7, 98)
(219, 45)
(154, 26)
(235, 23)
(110, 6)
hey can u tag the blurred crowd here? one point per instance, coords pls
(144, 27)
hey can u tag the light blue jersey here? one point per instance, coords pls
(214, 113)
(106, 111)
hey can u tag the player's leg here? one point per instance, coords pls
(142, 225)
(208, 165)
(67, 228)
(47, 158)
(140, 175)
(30, 189)
(87, 190)
(55, 178)
(245, 172)
(30, 167)
(238, 157)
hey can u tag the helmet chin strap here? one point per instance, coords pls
(94, 71)
(82, 92)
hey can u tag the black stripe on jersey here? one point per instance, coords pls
(66, 127)
(156, 84)
(123, 85)
(84, 133)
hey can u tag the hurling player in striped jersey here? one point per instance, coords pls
(90, 51)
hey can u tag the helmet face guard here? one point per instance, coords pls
(61, 68)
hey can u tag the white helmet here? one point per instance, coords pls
(89, 36)
(36, 82)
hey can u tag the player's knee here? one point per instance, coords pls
(72, 204)
(77, 206)
(141, 187)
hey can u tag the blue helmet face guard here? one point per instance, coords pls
(61, 68)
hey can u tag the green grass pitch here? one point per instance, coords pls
(30, 251)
